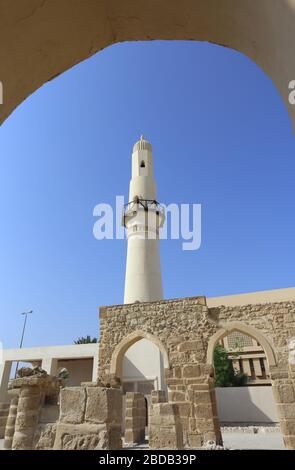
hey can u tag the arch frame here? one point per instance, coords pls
(227, 328)
(262, 31)
(128, 341)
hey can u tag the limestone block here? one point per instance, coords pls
(135, 417)
(201, 425)
(158, 396)
(45, 436)
(104, 405)
(195, 345)
(87, 436)
(199, 396)
(10, 425)
(166, 438)
(286, 411)
(191, 370)
(288, 427)
(182, 409)
(195, 441)
(289, 442)
(176, 396)
(72, 404)
(203, 411)
(158, 420)
(284, 392)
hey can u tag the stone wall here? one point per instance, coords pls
(135, 417)
(4, 410)
(90, 418)
(186, 331)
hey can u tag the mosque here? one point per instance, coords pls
(143, 365)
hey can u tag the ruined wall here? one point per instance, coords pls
(186, 332)
(181, 328)
(90, 419)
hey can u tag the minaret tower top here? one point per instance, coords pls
(143, 216)
(142, 144)
(142, 184)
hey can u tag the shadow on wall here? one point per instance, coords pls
(246, 405)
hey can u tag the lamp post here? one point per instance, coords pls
(23, 334)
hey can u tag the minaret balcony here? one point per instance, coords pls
(143, 206)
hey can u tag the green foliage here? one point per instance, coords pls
(85, 340)
(225, 374)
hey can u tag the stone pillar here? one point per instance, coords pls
(284, 395)
(27, 417)
(204, 423)
(135, 417)
(90, 419)
(4, 410)
(191, 391)
(5, 369)
(165, 429)
(10, 425)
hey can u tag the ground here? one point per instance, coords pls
(241, 440)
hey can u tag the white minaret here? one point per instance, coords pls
(143, 217)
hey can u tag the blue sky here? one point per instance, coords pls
(221, 137)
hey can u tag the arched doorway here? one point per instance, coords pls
(242, 358)
(138, 361)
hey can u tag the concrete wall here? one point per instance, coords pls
(48, 357)
(246, 405)
(80, 370)
(259, 297)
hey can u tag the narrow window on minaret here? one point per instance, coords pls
(142, 165)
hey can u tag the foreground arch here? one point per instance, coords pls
(40, 39)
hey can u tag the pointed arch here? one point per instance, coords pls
(126, 343)
(228, 328)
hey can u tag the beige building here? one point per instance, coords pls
(248, 357)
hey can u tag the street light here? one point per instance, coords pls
(23, 334)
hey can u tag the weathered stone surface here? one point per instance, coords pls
(191, 370)
(72, 405)
(286, 411)
(4, 412)
(10, 425)
(44, 436)
(284, 392)
(288, 427)
(27, 416)
(158, 396)
(87, 436)
(182, 329)
(95, 422)
(104, 405)
(135, 418)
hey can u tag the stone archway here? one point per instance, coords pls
(282, 383)
(42, 39)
